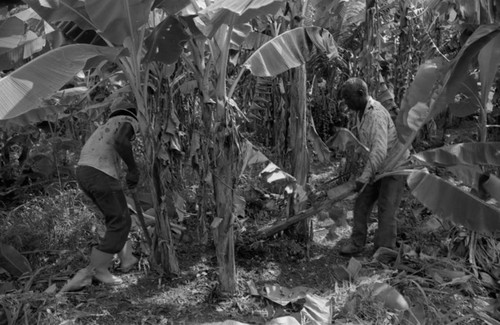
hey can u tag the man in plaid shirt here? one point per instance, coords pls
(376, 131)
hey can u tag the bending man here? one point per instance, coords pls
(97, 174)
(376, 130)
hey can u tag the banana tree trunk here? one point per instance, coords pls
(163, 247)
(223, 225)
(225, 161)
(298, 134)
(298, 143)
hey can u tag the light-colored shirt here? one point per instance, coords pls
(99, 150)
(376, 130)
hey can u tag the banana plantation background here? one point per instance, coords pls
(247, 158)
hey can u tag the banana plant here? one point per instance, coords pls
(290, 51)
(123, 25)
(217, 22)
(434, 87)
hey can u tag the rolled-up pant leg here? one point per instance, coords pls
(106, 192)
(391, 191)
(363, 207)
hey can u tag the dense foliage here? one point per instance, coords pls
(206, 78)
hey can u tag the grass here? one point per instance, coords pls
(56, 230)
(46, 225)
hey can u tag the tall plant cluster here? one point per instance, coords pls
(208, 76)
(176, 69)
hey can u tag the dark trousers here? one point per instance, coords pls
(106, 192)
(387, 192)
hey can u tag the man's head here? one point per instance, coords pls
(123, 107)
(355, 94)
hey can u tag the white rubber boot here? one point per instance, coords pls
(101, 261)
(127, 259)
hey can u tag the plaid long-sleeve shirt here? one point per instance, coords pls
(376, 130)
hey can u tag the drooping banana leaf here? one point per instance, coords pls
(290, 50)
(472, 154)
(450, 202)
(464, 159)
(489, 59)
(24, 89)
(320, 148)
(232, 12)
(117, 20)
(483, 35)
(417, 116)
(420, 90)
(251, 155)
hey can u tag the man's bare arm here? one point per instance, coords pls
(123, 147)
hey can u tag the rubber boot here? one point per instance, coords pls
(127, 259)
(101, 261)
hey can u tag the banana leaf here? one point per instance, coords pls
(481, 37)
(43, 113)
(117, 20)
(62, 10)
(468, 175)
(12, 261)
(420, 90)
(24, 89)
(11, 34)
(19, 41)
(171, 6)
(422, 87)
(417, 116)
(320, 147)
(489, 59)
(290, 50)
(239, 35)
(473, 153)
(464, 160)
(450, 202)
(233, 12)
(165, 44)
(251, 155)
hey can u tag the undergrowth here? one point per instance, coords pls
(61, 220)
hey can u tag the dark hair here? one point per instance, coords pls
(131, 111)
(354, 85)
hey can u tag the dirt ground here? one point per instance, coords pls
(431, 271)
